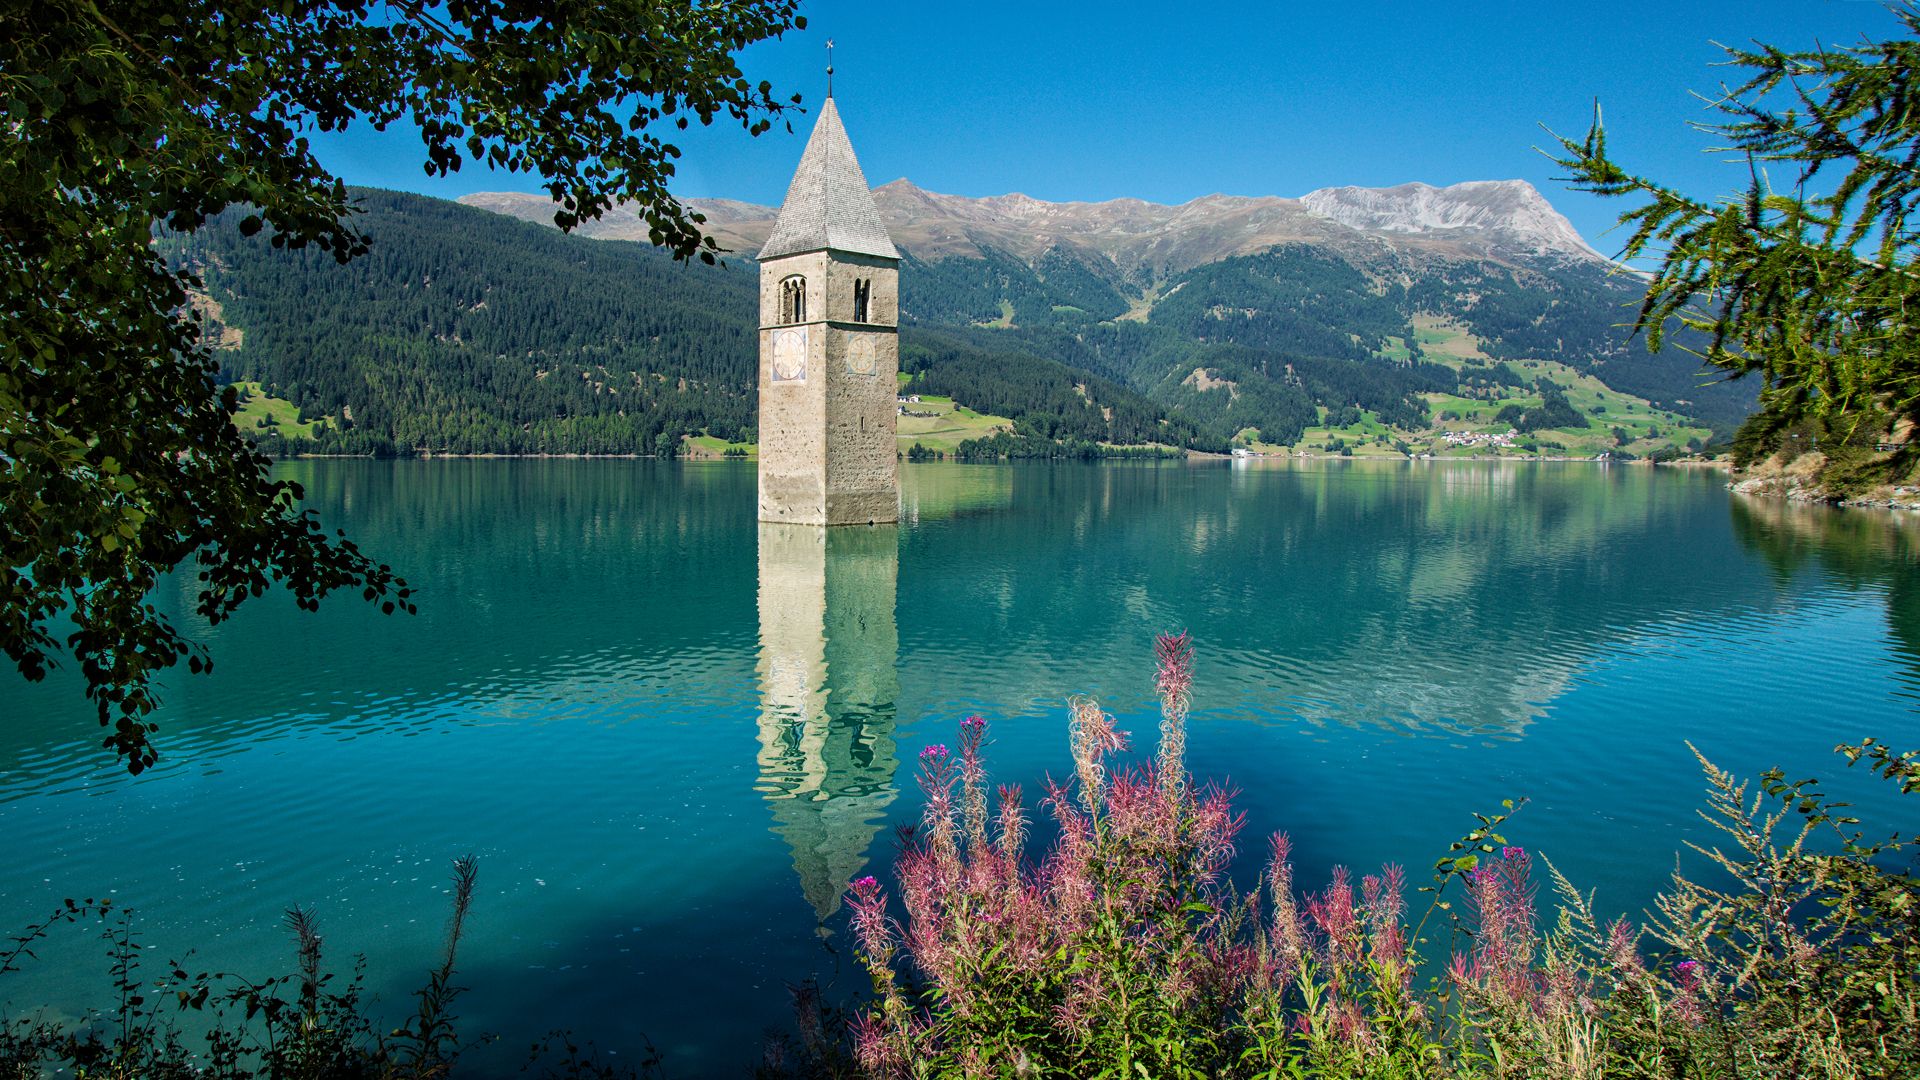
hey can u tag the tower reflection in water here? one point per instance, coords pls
(828, 649)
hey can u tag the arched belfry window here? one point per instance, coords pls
(862, 292)
(793, 299)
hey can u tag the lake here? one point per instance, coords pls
(671, 734)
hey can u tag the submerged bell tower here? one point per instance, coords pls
(829, 345)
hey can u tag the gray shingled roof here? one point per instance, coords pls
(828, 204)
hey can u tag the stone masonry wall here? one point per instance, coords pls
(828, 454)
(793, 447)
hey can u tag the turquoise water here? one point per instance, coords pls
(671, 735)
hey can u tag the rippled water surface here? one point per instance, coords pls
(671, 734)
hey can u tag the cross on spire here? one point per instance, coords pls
(829, 67)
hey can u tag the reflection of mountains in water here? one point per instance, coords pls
(829, 647)
(1433, 596)
(1461, 598)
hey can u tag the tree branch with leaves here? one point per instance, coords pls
(1809, 284)
(118, 457)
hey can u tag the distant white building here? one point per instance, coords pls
(1500, 440)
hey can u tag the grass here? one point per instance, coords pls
(1606, 408)
(280, 415)
(1139, 307)
(1441, 339)
(1361, 437)
(1004, 321)
(1444, 342)
(948, 426)
(707, 446)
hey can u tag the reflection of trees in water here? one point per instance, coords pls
(1458, 596)
(567, 547)
(829, 647)
(1858, 547)
(548, 588)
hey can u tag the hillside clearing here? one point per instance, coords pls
(946, 426)
(261, 413)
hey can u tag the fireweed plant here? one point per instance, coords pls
(1123, 950)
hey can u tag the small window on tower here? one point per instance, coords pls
(862, 292)
(793, 300)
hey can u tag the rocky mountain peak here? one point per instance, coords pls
(1511, 211)
(1491, 219)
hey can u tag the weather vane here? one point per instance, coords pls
(829, 67)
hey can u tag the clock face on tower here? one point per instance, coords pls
(790, 355)
(860, 358)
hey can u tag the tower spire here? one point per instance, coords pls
(829, 67)
(828, 204)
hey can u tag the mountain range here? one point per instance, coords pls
(1505, 221)
(1494, 257)
(1405, 317)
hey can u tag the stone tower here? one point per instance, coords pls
(829, 346)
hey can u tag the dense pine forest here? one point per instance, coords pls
(468, 332)
(462, 332)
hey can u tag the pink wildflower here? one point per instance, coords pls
(1174, 682)
(936, 781)
(870, 919)
(1565, 991)
(1289, 936)
(1013, 825)
(1623, 949)
(878, 1051)
(1215, 824)
(1075, 1013)
(1333, 911)
(1350, 1027)
(1461, 970)
(1385, 903)
(1501, 896)
(973, 797)
(1686, 999)
(1093, 737)
(1174, 653)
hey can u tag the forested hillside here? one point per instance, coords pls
(994, 373)
(1299, 309)
(465, 331)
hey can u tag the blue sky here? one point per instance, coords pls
(1169, 102)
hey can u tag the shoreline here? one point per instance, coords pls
(1191, 455)
(1681, 463)
(1770, 486)
(1800, 479)
(1789, 488)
